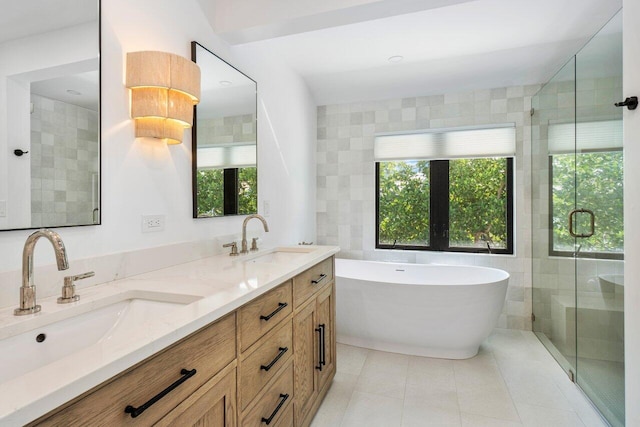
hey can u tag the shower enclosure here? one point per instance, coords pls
(577, 220)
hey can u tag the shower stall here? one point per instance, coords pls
(577, 220)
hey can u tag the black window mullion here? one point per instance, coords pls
(510, 207)
(230, 191)
(439, 199)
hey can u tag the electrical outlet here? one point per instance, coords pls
(152, 223)
(3, 208)
(266, 208)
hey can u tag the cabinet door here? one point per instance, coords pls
(212, 405)
(305, 344)
(325, 320)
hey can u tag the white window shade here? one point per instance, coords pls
(231, 156)
(588, 136)
(433, 144)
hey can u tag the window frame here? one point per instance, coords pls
(439, 211)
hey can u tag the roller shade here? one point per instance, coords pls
(590, 136)
(450, 143)
(232, 156)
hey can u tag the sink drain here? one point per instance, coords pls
(41, 337)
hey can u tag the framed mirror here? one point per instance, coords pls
(49, 114)
(225, 172)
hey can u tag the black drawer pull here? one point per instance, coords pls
(186, 374)
(281, 305)
(283, 398)
(319, 279)
(283, 350)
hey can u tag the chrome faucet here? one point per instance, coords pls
(244, 231)
(28, 289)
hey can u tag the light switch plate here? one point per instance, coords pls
(3, 208)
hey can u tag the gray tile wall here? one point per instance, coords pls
(226, 130)
(346, 178)
(65, 162)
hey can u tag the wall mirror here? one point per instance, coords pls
(225, 173)
(49, 114)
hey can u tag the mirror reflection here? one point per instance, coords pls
(224, 140)
(49, 114)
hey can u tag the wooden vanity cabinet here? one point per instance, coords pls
(307, 331)
(314, 344)
(271, 360)
(207, 351)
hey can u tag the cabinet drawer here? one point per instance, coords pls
(213, 404)
(287, 418)
(271, 399)
(273, 352)
(308, 282)
(106, 405)
(261, 315)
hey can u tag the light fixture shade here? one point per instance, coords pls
(168, 130)
(164, 89)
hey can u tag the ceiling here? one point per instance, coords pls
(341, 48)
(81, 89)
(71, 83)
(25, 18)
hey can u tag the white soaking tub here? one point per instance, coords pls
(420, 309)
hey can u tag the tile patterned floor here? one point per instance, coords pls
(513, 381)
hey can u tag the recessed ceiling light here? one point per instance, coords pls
(73, 92)
(225, 83)
(395, 58)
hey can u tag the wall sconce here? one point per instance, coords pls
(164, 89)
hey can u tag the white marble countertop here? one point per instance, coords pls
(221, 283)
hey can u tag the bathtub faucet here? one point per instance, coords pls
(576, 251)
(486, 239)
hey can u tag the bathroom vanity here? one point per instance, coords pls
(257, 347)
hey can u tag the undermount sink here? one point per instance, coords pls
(48, 343)
(278, 255)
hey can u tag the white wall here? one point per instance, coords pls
(286, 144)
(142, 176)
(631, 43)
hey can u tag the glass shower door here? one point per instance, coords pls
(577, 220)
(598, 222)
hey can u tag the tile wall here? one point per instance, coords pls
(65, 163)
(346, 177)
(226, 130)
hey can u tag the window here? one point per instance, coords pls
(227, 191)
(463, 203)
(592, 179)
(226, 180)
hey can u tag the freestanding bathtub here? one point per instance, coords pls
(419, 309)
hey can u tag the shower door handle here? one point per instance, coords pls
(592, 223)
